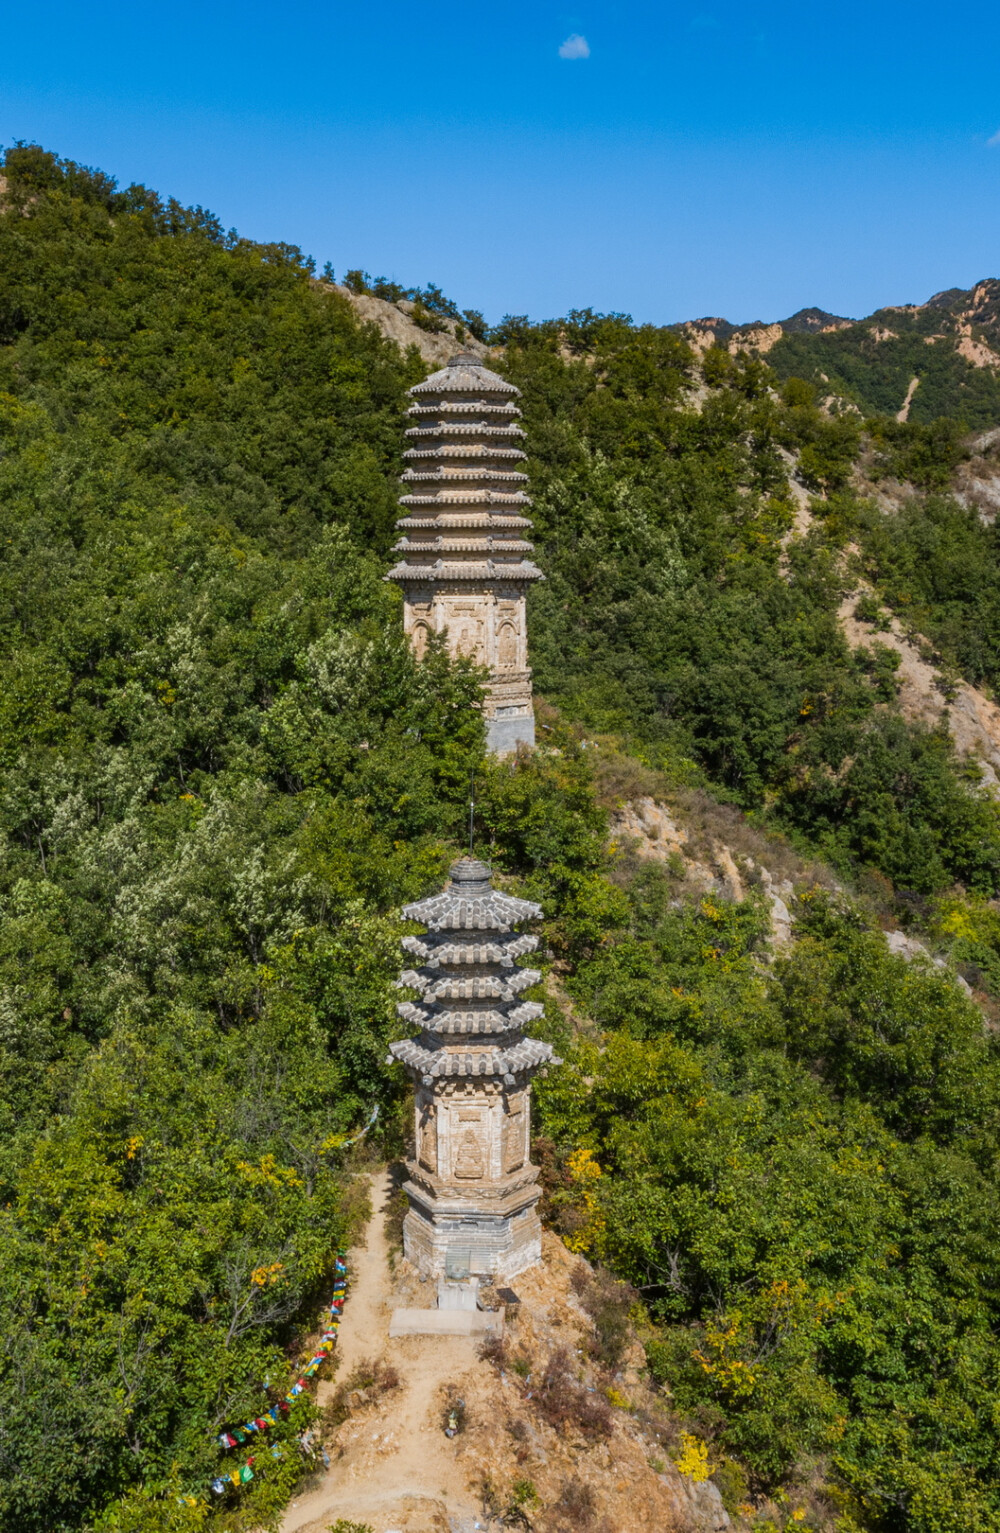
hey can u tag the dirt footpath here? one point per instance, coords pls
(392, 1466)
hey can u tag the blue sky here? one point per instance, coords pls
(686, 159)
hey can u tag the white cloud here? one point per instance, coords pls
(575, 47)
(994, 142)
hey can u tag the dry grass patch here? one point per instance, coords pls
(365, 1384)
(609, 1303)
(566, 1404)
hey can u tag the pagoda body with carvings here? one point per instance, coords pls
(472, 1188)
(464, 567)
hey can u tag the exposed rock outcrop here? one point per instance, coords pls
(910, 949)
(653, 834)
(926, 697)
(395, 321)
(800, 498)
(977, 480)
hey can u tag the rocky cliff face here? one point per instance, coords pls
(395, 320)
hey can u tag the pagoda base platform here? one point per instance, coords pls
(505, 733)
(445, 1322)
(457, 1239)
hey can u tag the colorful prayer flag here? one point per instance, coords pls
(243, 1474)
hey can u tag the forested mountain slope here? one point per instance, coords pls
(923, 360)
(221, 772)
(931, 359)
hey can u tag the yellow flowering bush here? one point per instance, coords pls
(693, 1458)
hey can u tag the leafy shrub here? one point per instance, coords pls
(493, 1349)
(926, 454)
(868, 609)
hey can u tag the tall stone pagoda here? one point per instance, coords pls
(472, 1188)
(463, 565)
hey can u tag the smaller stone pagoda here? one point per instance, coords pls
(472, 1188)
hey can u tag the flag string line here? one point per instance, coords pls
(243, 1473)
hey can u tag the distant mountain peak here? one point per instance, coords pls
(812, 321)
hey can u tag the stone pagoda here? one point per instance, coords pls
(472, 1188)
(463, 566)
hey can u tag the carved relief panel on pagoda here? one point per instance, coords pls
(466, 621)
(427, 1132)
(469, 1140)
(514, 1134)
(419, 624)
(511, 639)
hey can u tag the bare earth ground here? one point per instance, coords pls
(393, 1468)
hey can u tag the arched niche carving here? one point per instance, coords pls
(507, 647)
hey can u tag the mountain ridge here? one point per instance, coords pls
(982, 295)
(919, 362)
(915, 361)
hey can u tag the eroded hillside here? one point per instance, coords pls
(554, 1427)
